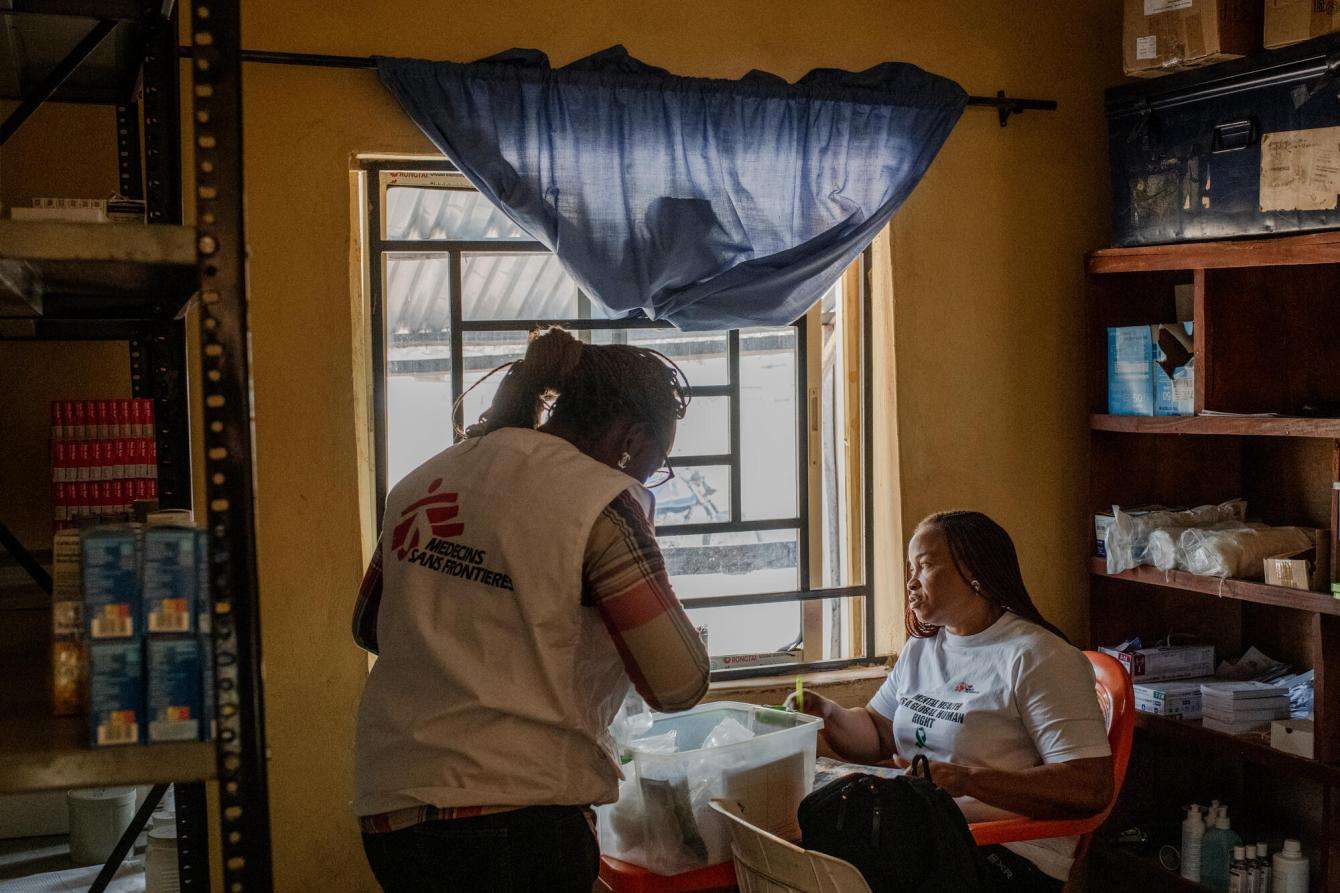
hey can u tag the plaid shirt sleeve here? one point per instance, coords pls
(369, 600)
(624, 578)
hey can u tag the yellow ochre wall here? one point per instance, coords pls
(987, 287)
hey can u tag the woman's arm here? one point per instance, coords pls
(1072, 789)
(857, 734)
(368, 601)
(624, 579)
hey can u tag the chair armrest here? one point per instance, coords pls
(1017, 829)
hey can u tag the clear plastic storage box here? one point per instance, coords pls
(759, 756)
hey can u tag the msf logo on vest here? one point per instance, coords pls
(436, 511)
(426, 535)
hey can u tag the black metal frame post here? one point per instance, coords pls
(162, 121)
(129, 173)
(379, 246)
(229, 470)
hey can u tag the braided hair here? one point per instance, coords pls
(586, 387)
(982, 551)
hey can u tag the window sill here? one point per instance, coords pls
(848, 687)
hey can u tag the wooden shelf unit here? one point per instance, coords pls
(1242, 590)
(1107, 859)
(1267, 338)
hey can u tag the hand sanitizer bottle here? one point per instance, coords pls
(1263, 860)
(1215, 852)
(1253, 867)
(1193, 832)
(1237, 872)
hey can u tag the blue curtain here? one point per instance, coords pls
(714, 204)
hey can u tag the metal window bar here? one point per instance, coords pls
(454, 249)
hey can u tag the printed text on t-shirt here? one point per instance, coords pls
(927, 710)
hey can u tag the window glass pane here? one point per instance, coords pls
(698, 494)
(417, 294)
(768, 474)
(705, 428)
(702, 355)
(777, 628)
(496, 285)
(461, 214)
(731, 563)
(484, 352)
(418, 421)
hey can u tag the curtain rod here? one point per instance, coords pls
(1004, 105)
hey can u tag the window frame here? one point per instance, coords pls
(377, 247)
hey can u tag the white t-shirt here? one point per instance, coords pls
(1013, 696)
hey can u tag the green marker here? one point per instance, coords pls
(800, 697)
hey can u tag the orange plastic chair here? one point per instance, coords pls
(621, 877)
(1117, 698)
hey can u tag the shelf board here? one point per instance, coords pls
(1231, 426)
(1198, 739)
(91, 272)
(1135, 870)
(39, 752)
(1242, 590)
(1313, 248)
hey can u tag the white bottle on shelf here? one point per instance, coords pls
(1289, 869)
(1193, 832)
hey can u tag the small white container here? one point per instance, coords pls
(98, 816)
(160, 861)
(1294, 736)
(1289, 871)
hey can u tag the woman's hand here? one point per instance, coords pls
(810, 702)
(953, 779)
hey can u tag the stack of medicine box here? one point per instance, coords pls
(1167, 678)
(1137, 383)
(1238, 707)
(147, 629)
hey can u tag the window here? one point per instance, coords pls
(763, 526)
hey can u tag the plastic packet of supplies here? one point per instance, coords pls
(1127, 539)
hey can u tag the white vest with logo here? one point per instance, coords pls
(494, 686)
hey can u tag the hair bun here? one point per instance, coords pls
(551, 357)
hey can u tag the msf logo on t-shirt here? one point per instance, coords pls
(436, 509)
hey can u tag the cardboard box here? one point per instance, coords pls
(1294, 21)
(174, 689)
(115, 693)
(1174, 371)
(69, 669)
(1309, 569)
(1101, 522)
(1130, 384)
(1181, 698)
(111, 582)
(1162, 36)
(1296, 736)
(172, 573)
(1166, 662)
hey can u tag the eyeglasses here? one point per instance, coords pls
(661, 476)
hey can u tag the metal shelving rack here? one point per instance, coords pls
(134, 284)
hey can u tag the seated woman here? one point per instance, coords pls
(994, 696)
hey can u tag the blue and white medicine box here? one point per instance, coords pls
(172, 561)
(115, 693)
(1130, 364)
(1175, 395)
(111, 557)
(174, 689)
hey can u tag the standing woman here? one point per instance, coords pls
(991, 693)
(516, 591)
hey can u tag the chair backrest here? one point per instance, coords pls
(764, 863)
(1116, 695)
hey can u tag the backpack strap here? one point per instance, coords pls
(921, 766)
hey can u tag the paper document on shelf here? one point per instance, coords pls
(1241, 415)
(1300, 170)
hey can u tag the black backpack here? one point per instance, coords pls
(903, 834)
